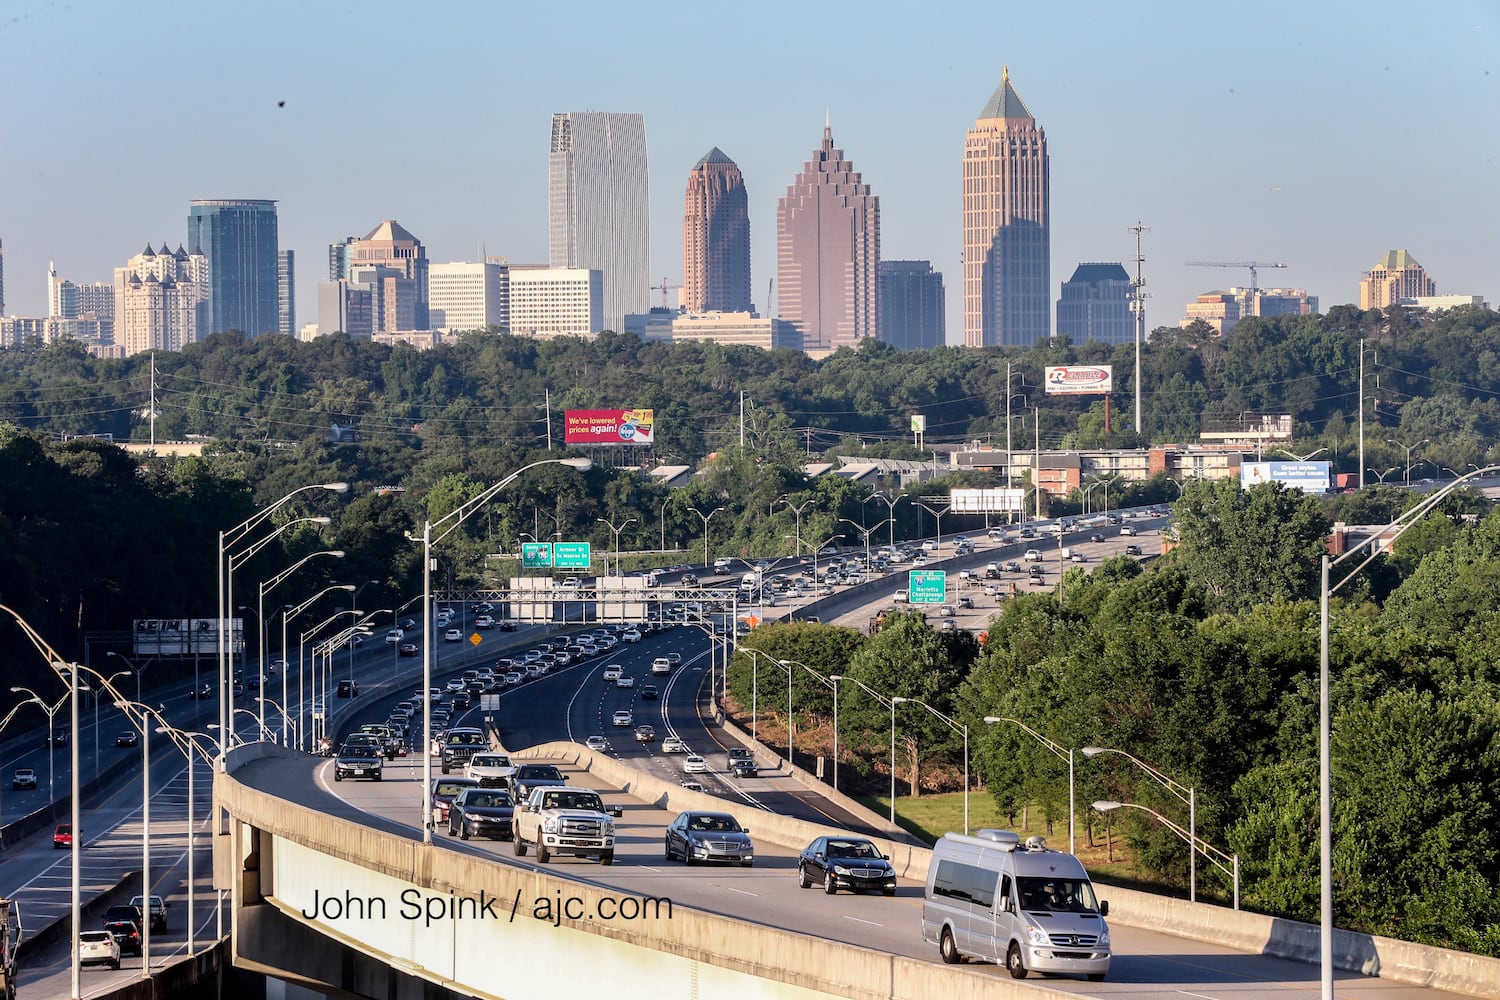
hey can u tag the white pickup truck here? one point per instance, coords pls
(561, 820)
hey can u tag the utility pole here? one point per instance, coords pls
(1138, 298)
(1036, 463)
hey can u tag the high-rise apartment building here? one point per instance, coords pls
(397, 254)
(62, 295)
(911, 305)
(96, 299)
(556, 301)
(828, 253)
(2, 277)
(1095, 305)
(338, 258)
(161, 300)
(467, 296)
(69, 300)
(238, 237)
(716, 237)
(286, 293)
(1007, 225)
(599, 205)
(1395, 277)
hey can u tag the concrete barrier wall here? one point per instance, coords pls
(708, 948)
(1399, 961)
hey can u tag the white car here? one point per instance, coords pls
(1032, 555)
(694, 764)
(98, 948)
(394, 636)
(613, 672)
(1127, 529)
(661, 665)
(625, 681)
(572, 583)
(492, 770)
(453, 635)
(673, 744)
(624, 718)
(596, 743)
(484, 621)
(631, 635)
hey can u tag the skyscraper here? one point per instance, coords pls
(599, 205)
(395, 260)
(1395, 276)
(1007, 227)
(469, 296)
(286, 293)
(1095, 305)
(238, 238)
(161, 300)
(716, 237)
(828, 252)
(911, 305)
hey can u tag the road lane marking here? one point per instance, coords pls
(861, 920)
(742, 892)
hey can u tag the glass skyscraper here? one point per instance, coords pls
(238, 236)
(600, 207)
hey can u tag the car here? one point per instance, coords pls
(966, 602)
(407, 624)
(841, 862)
(62, 836)
(124, 924)
(492, 769)
(24, 779)
(530, 776)
(358, 759)
(901, 596)
(1127, 530)
(675, 659)
(1096, 537)
(98, 948)
(453, 635)
(947, 611)
(59, 738)
(650, 693)
(624, 718)
(691, 784)
(444, 791)
(1132, 550)
(409, 649)
(460, 744)
(481, 608)
(744, 767)
(596, 743)
(394, 636)
(673, 744)
(1078, 557)
(158, 911)
(645, 734)
(1012, 567)
(694, 764)
(481, 812)
(689, 579)
(613, 672)
(1032, 555)
(631, 635)
(625, 681)
(484, 621)
(201, 692)
(571, 583)
(708, 836)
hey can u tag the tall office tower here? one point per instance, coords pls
(2, 277)
(828, 253)
(1095, 305)
(599, 206)
(469, 296)
(238, 236)
(286, 293)
(161, 300)
(1007, 227)
(1396, 276)
(911, 305)
(62, 295)
(397, 253)
(716, 237)
(338, 258)
(346, 307)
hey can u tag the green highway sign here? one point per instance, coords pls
(927, 586)
(536, 555)
(571, 555)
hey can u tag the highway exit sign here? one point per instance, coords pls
(571, 555)
(536, 555)
(927, 586)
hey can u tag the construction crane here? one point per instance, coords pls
(665, 286)
(1253, 265)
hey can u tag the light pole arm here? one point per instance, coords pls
(238, 559)
(267, 585)
(1044, 741)
(1177, 788)
(461, 513)
(242, 529)
(1209, 850)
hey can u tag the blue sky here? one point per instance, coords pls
(1321, 135)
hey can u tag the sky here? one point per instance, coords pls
(1320, 135)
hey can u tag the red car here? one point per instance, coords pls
(62, 837)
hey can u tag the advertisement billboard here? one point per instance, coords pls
(985, 501)
(1310, 477)
(1078, 380)
(184, 636)
(588, 427)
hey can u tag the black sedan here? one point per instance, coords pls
(481, 812)
(409, 649)
(358, 760)
(127, 738)
(708, 836)
(851, 863)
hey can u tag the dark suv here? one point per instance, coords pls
(124, 922)
(459, 745)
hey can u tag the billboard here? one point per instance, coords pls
(586, 427)
(985, 501)
(1310, 477)
(1079, 380)
(184, 636)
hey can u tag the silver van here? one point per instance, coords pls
(993, 898)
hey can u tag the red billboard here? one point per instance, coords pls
(586, 427)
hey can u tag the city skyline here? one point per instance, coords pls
(1256, 149)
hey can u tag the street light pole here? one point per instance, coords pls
(707, 561)
(1058, 751)
(962, 729)
(1185, 793)
(798, 508)
(889, 703)
(890, 505)
(1208, 849)
(51, 711)
(628, 522)
(1408, 449)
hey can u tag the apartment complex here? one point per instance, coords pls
(161, 300)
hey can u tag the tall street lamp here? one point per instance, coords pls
(890, 509)
(798, 508)
(285, 617)
(888, 703)
(937, 514)
(788, 664)
(224, 567)
(1381, 475)
(1209, 850)
(628, 522)
(962, 729)
(260, 608)
(865, 533)
(446, 525)
(707, 561)
(1057, 751)
(1408, 449)
(187, 742)
(51, 711)
(110, 680)
(1187, 794)
(144, 725)
(1369, 549)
